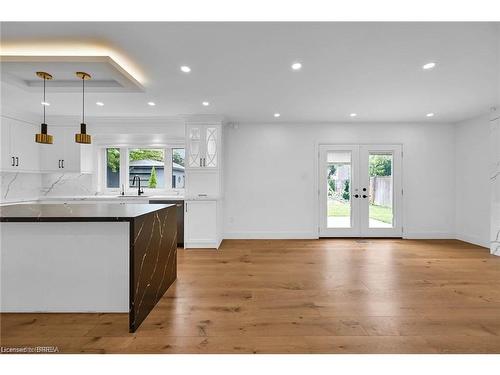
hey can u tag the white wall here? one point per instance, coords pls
(472, 215)
(270, 176)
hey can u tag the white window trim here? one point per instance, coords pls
(124, 169)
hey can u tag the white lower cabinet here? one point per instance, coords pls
(200, 224)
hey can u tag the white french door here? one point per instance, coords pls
(360, 191)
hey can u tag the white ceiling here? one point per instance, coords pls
(106, 75)
(243, 69)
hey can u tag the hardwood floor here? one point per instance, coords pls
(300, 296)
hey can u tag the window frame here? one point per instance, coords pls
(124, 168)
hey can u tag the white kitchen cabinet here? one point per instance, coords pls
(201, 224)
(203, 191)
(52, 154)
(203, 143)
(204, 161)
(65, 155)
(20, 152)
(203, 184)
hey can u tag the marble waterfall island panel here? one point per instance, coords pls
(153, 266)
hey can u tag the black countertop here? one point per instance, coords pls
(77, 212)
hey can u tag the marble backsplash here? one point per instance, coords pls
(19, 186)
(66, 184)
(29, 186)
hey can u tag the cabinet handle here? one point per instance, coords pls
(186, 207)
(13, 162)
(201, 163)
(62, 163)
(204, 162)
(59, 165)
(17, 161)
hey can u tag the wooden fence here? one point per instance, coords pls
(381, 190)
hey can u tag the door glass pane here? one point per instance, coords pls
(338, 189)
(112, 168)
(148, 165)
(380, 191)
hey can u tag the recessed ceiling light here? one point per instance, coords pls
(152, 104)
(45, 103)
(353, 114)
(100, 104)
(296, 66)
(185, 69)
(429, 66)
(430, 114)
(206, 104)
(277, 115)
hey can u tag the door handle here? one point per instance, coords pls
(17, 161)
(13, 162)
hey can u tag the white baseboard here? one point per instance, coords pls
(271, 235)
(428, 236)
(473, 240)
(202, 244)
(313, 236)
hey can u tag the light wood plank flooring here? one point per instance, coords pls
(300, 296)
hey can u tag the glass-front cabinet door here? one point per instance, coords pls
(203, 143)
(211, 147)
(194, 143)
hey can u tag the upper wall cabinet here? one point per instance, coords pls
(203, 145)
(19, 151)
(65, 155)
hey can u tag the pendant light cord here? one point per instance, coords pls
(83, 99)
(44, 105)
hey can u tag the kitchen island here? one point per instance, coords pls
(102, 257)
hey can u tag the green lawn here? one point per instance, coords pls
(384, 214)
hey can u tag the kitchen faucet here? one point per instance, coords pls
(139, 190)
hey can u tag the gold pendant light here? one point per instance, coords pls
(43, 137)
(83, 137)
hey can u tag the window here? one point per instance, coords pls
(178, 174)
(149, 165)
(157, 168)
(112, 168)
